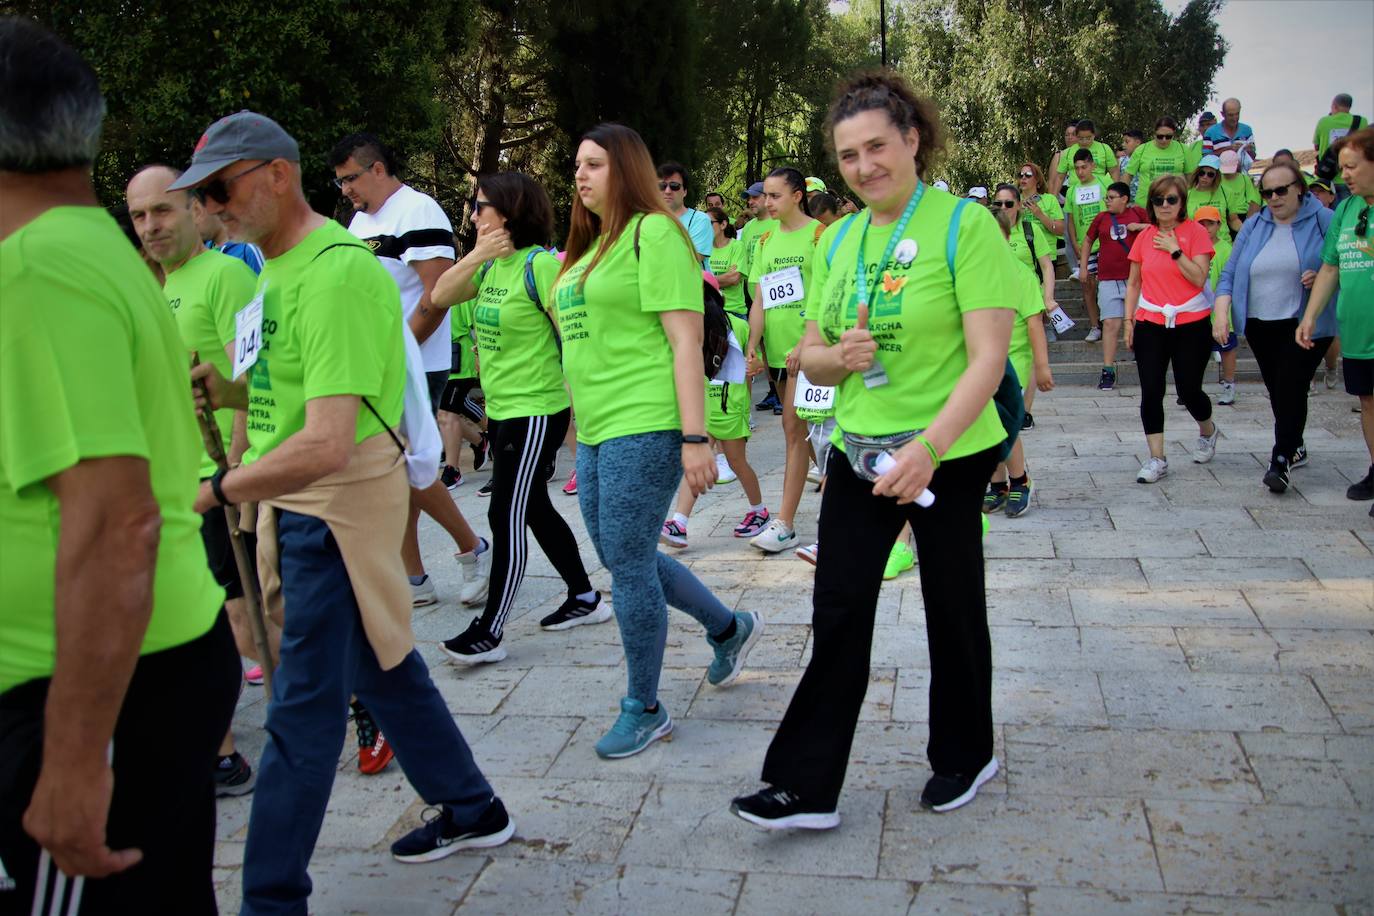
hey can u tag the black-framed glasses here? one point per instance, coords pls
(218, 190)
(1281, 191)
(1160, 200)
(1362, 224)
(670, 185)
(348, 179)
(1005, 204)
(478, 205)
(1207, 173)
(1164, 136)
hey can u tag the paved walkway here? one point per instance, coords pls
(1184, 699)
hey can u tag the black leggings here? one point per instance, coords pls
(810, 751)
(523, 448)
(1187, 347)
(1287, 370)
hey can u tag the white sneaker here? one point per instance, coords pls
(1074, 274)
(476, 568)
(724, 473)
(1228, 393)
(776, 538)
(813, 474)
(809, 553)
(1094, 335)
(1207, 445)
(1152, 470)
(423, 595)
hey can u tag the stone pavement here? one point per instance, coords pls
(1184, 699)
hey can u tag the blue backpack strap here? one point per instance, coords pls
(531, 288)
(952, 241)
(839, 237)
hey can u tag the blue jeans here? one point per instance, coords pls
(325, 658)
(625, 486)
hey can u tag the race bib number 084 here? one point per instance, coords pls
(810, 396)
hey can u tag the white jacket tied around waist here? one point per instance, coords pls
(1199, 303)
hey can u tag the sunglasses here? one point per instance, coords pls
(1160, 201)
(218, 190)
(1362, 224)
(1164, 136)
(1207, 173)
(1027, 174)
(1006, 204)
(1281, 191)
(478, 205)
(670, 185)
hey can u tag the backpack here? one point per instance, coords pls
(532, 290)
(715, 336)
(1011, 405)
(1329, 164)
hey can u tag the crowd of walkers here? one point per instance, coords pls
(902, 334)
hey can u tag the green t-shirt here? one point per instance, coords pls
(616, 355)
(784, 323)
(331, 325)
(1240, 193)
(1192, 157)
(1222, 244)
(460, 329)
(1082, 204)
(749, 244)
(1355, 257)
(1104, 160)
(521, 374)
(1049, 205)
(1044, 241)
(1149, 162)
(724, 259)
(1213, 197)
(916, 315)
(205, 293)
(1330, 129)
(91, 366)
(1029, 303)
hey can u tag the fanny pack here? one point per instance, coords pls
(863, 451)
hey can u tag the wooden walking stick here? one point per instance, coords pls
(252, 591)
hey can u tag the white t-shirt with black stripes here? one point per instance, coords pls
(409, 227)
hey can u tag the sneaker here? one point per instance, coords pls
(731, 653)
(1018, 499)
(481, 451)
(776, 538)
(233, 776)
(574, 613)
(809, 553)
(476, 569)
(474, 646)
(813, 474)
(752, 524)
(423, 595)
(1027, 422)
(1228, 393)
(570, 488)
(1094, 334)
(253, 676)
(485, 490)
(374, 751)
(1276, 478)
(1107, 381)
(1073, 275)
(551, 469)
(768, 403)
(945, 793)
(451, 476)
(1299, 458)
(724, 473)
(1152, 470)
(899, 560)
(673, 534)
(635, 730)
(441, 836)
(996, 497)
(1207, 446)
(779, 809)
(1362, 489)
(1329, 376)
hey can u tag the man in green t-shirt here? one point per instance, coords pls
(323, 394)
(1086, 198)
(118, 675)
(1330, 129)
(1104, 160)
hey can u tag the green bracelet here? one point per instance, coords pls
(934, 455)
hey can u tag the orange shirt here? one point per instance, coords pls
(1161, 280)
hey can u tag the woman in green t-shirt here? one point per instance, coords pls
(912, 323)
(1164, 156)
(1205, 189)
(629, 309)
(782, 291)
(1038, 208)
(509, 276)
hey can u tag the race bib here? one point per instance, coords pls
(1335, 134)
(810, 396)
(247, 336)
(782, 287)
(1087, 194)
(1061, 321)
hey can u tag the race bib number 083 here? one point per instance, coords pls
(782, 287)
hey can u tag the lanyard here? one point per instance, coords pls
(861, 278)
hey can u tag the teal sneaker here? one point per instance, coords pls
(731, 653)
(899, 560)
(996, 497)
(634, 730)
(1018, 502)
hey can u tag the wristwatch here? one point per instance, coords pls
(217, 488)
(1176, 253)
(695, 440)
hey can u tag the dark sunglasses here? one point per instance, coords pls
(218, 190)
(1362, 224)
(1005, 204)
(1164, 136)
(1207, 173)
(478, 205)
(1027, 174)
(1159, 201)
(666, 185)
(1281, 191)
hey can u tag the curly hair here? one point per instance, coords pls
(881, 89)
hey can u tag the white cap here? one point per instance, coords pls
(978, 191)
(942, 185)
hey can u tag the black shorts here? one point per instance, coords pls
(1359, 376)
(436, 381)
(779, 376)
(455, 399)
(219, 551)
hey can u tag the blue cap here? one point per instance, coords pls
(754, 190)
(1210, 161)
(1206, 116)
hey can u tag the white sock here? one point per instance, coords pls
(759, 508)
(680, 519)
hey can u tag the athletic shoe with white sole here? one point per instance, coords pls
(476, 568)
(945, 793)
(731, 652)
(636, 729)
(233, 776)
(1228, 393)
(809, 553)
(441, 836)
(752, 523)
(813, 474)
(1299, 458)
(673, 533)
(1094, 335)
(1207, 446)
(474, 646)
(724, 473)
(778, 809)
(776, 538)
(1152, 470)
(423, 595)
(575, 612)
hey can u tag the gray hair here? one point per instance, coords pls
(51, 108)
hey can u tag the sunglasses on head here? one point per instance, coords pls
(667, 185)
(1164, 136)
(1161, 200)
(1281, 191)
(218, 190)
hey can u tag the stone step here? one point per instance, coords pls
(1075, 347)
(1087, 372)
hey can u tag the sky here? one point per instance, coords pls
(1284, 86)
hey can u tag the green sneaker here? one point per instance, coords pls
(634, 730)
(995, 498)
(1018, 502)
(731, 653)
(986, 525)
(899, 560)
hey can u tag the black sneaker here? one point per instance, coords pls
(1363, 489)
(485, 490)
(480, 452)
(474, 645)
(1107, 381)
(451, 476)
(1028, 421)
(440, 836)
(768, 403)
(779, 809)
(233, 776)
(1299, 458)
(945, 793)
(1276, 478)
(574, 612)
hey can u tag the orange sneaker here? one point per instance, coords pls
(374, 751)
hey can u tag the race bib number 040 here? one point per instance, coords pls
(782, 287)
(247, 336)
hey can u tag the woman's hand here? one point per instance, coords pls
(1130, 334)
(1221, 325)
(755, 365)
(492, 244)
(794, 361)
(698, 467)
(1166, 242)
(1303, 335)
(909, 476)
(1308, 278)
(1044, 378)
(857, 346)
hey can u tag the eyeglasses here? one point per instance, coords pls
(218, 190)
(349, 179)
(670, 185)
(1027, 174)
(1164, 136)
(1281, 191)
(1007, 204)
(1207, 173)
(478, 205)
(1161, 200)
(1362, 224)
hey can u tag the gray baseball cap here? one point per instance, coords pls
(242, 135)
(754, 190)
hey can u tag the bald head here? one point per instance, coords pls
(1230, 112)
(163, 219)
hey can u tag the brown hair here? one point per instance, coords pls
(1291, 167)
(1158, 187)
(1039, 175)
(631, 189)
(524, 204)
(881, 89)
(1362, 140)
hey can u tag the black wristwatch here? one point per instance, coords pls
(1176, 253)
(217, 487)
(695, 440)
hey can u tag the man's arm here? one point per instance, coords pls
(427, 317)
